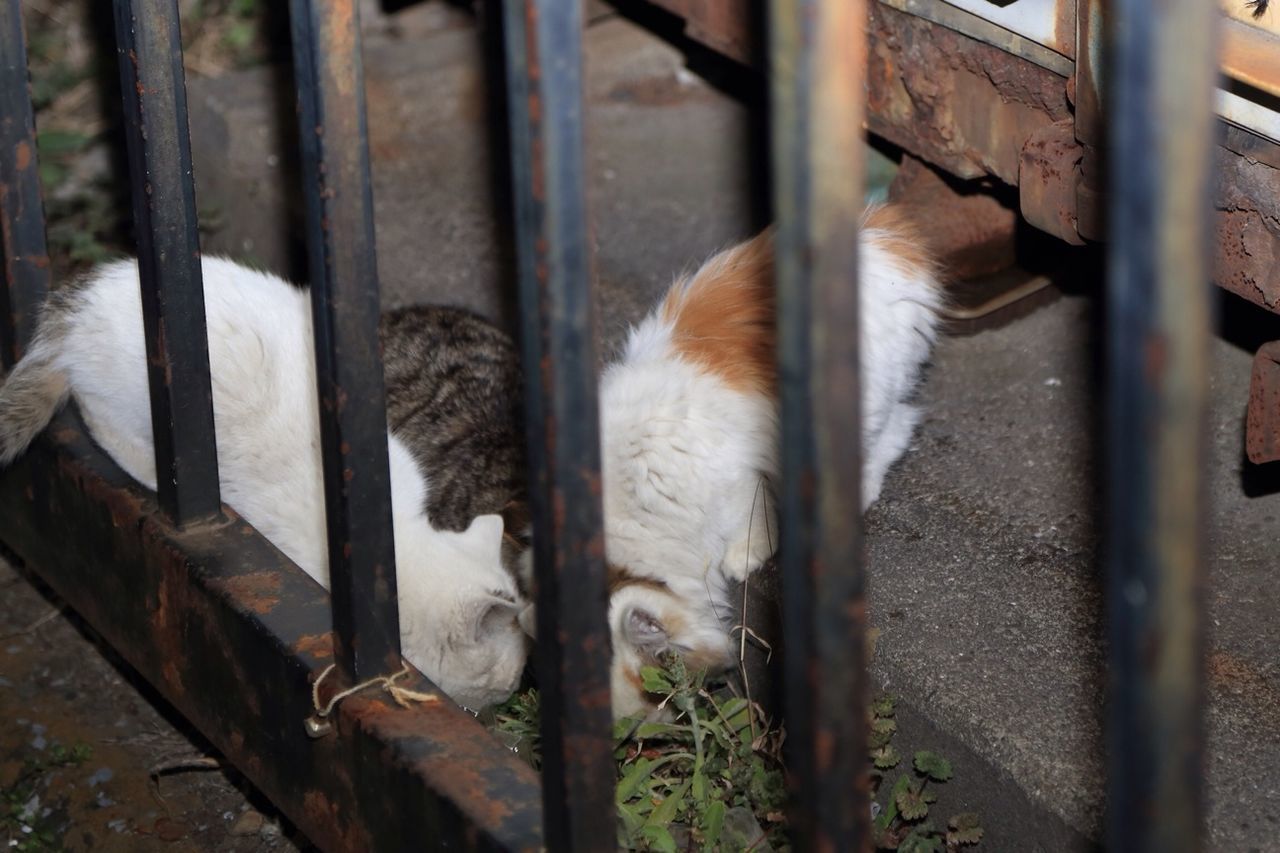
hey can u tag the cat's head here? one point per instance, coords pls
(647, 623)
(458, 612)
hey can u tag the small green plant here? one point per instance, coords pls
(902, 822)
(712, 778)
(21, 820)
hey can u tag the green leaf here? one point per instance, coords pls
(631, 781)
(911, 804)
(932, 765)
(635, 778)
(885, 757)
(712, 824)
(922, 839)
(964, 830)
(699, 788)
(882, 707)
(667, 810)
(890, 811)
(51, 174)
(884, 725)
(655, 680)
(659, 838)
(54, 143)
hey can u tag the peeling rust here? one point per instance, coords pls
(954, 101)
(1048, 176)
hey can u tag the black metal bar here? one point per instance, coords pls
(1159, 100)
(164, 217)
(230, 631)
(345, 307)
(24, 274)
(817, 57)
(544, 73)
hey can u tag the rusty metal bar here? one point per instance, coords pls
(149, 47)
(1160, 82)
(1089, 117)
(24, 271)
(230, 631)
(345, 307)
(557, 306)
(818, 56)
(1262, 435)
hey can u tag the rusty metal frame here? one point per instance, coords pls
(1159, 104)
(232, 633)
(543, 41)
(24, 274)
(818, 164)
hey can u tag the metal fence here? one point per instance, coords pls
(230, 631)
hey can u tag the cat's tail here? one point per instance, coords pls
(36, 388)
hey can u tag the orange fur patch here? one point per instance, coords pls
(899, 236)
(723, 316)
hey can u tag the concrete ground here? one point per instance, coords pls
(984, 549)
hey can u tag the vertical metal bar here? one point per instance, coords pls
(345, 306)
(544, 71)
(24, 274)
(817, 55)
(1090, 49)
(1159, 100)
(149, 46)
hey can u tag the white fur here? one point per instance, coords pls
(687, 459)
(457, 603)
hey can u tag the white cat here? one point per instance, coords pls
(458, 605)
(689, 431)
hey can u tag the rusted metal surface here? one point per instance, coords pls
(970, 231)
(558, 336)
(24, 256)
(953, 101)
(1048, 180)
(231, 633)
(974, 26)
(1086, 91)
(728, 26)
(1247, 244)
(1262, 434)
(1160, 88)
(149, 48)
(345, 306)
(817, 56)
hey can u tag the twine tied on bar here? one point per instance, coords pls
(318, 725)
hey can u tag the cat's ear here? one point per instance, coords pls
(645, 631)
(484, 537)
(529, 621)
(493, 617)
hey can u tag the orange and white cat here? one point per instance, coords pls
(689, 432)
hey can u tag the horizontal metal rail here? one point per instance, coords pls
(818, 57)
(558, 335)
(230, 632)
(149, 48)
(24, 274)
(1159, 102)
(345, 307)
